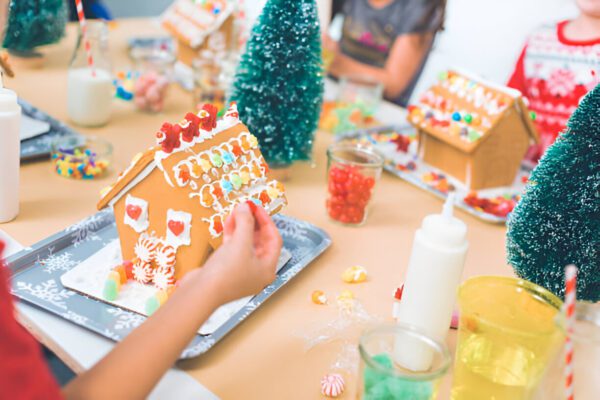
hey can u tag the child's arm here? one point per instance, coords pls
(242, 266)
(405, 59)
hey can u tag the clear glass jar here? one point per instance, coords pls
(81, 157)
(352, 172)
(89, 87)
(381, 377)
(213, 77)
(153, 67)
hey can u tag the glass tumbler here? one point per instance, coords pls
(382, 378)
(352, 172)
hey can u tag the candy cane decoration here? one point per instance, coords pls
(570, 299)
(86, 42)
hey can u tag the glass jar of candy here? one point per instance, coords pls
(153, 69)
(352, 172)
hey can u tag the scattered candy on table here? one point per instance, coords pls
(355, 274)
(79, 163)
(319, 297)
(345, 296)
(149, 91)
(349, 194)
(332, 385)
(437, 181)
(499, 206)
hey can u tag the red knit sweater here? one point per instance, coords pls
(554, 73)
(23, 371)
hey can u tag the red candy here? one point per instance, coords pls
(498, 206)
(209, 122)
(128, 265)
(168, 137)
(349, 194)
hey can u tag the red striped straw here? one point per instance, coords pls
(86, 42)
(570, 299)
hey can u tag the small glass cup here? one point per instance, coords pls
(358, 99)
(507, 338)
(153, 68)
(352, 172)
(383, 378)
(586, 357)
(78, 157)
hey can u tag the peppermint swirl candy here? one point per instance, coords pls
(142, 271)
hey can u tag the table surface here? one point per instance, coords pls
(265, 357)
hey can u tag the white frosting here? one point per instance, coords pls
(141, 223)
(184, 238)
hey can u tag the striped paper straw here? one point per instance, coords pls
(86, 42)
(570, 298)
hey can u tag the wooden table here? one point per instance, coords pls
(264, 358)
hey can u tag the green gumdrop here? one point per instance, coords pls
(152, 304)
(473, 136)
(468, 118)
(110, 291)
(400, 389)
(372, 377)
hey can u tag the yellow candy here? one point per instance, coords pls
(114, 275)
(354, 274)
(272, 192)
(245, 177)
(346, 295)
(318, 297)
(455, 129)
(253, 141)
(161, 296)
(205, 165)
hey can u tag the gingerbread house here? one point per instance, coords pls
(171, 203)
(199, 25)
(473, 130)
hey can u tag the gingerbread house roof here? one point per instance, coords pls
(193, 21)
(230, 169)
(463, 110)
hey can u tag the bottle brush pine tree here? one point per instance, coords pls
(279, 83)
(33, 23)
(557, 222)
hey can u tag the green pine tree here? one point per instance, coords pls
(557, 222)
(279, 83)
(33, 23)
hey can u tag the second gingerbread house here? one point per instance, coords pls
(473, 130)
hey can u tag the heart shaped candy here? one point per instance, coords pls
(176, 227)
(133, 211)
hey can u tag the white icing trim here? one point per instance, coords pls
(137, 179)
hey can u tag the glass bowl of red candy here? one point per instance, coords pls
(352, 171)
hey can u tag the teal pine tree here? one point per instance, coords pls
(557, 222)
(33, 23)
(279, 83)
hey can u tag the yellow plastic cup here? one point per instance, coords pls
(507, 338)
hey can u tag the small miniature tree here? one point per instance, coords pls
(279, 83)
(33, 23)
(557, 222)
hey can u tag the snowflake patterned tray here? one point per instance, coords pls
(39, 146)
(37, 275)
(407, 166)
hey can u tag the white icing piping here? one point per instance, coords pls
(138, 178)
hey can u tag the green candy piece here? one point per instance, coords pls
(532, 115)
(110, 291)
(372, 377)
(443, 76)
(236, 181)
(216, 160)
(400, 389)
(473, 136)
(152, 304)
(380, 391)
(468, 118)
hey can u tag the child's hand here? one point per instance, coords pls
(246, 261)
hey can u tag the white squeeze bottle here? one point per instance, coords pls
(10, 153)
(434, 273)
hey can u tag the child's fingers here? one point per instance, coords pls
(229, 226)
(244, 224)
(268, 241)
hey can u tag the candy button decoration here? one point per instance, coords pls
(273, 192)
(456, 116)
(216, 160)
(236, 181)
(245, 176)
(226, 186)
(468, 118)
(204, 164)
(228, 158)
(332, 385)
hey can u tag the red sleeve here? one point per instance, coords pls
(517, 79)
(23, 371)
